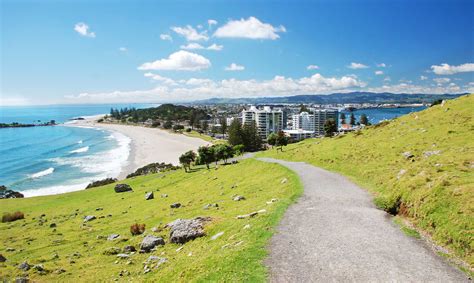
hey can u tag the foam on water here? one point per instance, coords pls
(41, 173)
(54, 190)
(80, 150)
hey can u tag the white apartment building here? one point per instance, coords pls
(314, 122)
(299, 134)
(267, 120)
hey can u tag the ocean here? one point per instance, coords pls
(56, 159)
(375, 115)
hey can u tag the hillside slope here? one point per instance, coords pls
(434, 188)
(73, 249)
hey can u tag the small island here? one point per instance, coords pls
(20, 125)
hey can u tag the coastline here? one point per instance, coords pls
(148, 145)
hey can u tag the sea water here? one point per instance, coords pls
(56, 159)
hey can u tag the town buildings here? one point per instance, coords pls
(267, 120)
(314, 122)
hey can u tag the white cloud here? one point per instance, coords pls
(83, 29)
(211, 22)
(194, 88)
(446, 69)
(356, 66)
(160, 78)
(180, 60)
(411, 88)
(441, 81)
(381, 65)
(166, 37)
(123, 49)
(423, 78)
(192, 46)
(312, 67)
(190, 33)
(378, 73)
(251, 28)
(199, 26)
(387, 79)
(234, 67)
(215, 47)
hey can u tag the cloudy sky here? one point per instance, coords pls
(154, 51)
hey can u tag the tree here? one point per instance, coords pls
(168, 125)
(251, 138)
(223, 122)
(282, 140)
(239, 149)
(235, 133)
(303, 108)
(343, 118)
(330, 127)
(352, 119)
(272, 139)
(206, 155)
(205, 126)
(223, 151)
(364, 120)
(186, 159)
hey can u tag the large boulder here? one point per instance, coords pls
(6, 193)
(121, 188)
(150, 241)
(184, 230)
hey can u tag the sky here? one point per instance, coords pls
(104, 51)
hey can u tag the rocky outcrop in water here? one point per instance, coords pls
(6, 193)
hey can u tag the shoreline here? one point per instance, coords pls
(147, 145)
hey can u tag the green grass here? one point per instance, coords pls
(407, 230)
(195, 134)
(199, 260)
(436, 193)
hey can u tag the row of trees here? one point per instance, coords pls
(246, 135)
(352, 120)
(208, 154)
(164, 112)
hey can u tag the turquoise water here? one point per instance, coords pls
(55, 159)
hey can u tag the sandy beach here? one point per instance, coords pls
(148, 145)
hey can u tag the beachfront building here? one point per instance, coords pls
(314, 121)
(297, 135)
(267, 120)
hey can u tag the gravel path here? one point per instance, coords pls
(334, 233)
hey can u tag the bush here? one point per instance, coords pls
(178, 127)
(188, 130)
(168, 125)
(155, 124)
(137, 229)
(10, 217)
(101, 183)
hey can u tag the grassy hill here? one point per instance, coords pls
(434, 189)
(73, 250)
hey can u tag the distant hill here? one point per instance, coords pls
(419, 166)
(351, 97)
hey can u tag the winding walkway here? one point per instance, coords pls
(334, 233)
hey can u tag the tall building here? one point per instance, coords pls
(315, 121)
(267, 120)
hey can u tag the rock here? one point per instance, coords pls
(149, 196)
(217, 236)
(210, 205)
(157, 259)
(24, 266)
(150, 241)
(99, 209)
(430, 153)
(21, 280)
(113, 237)
(247, 226)
(272, 201)
(38, 267)
(164, 195)
(111, 251)
(10, 249)
(6, 193)
(59, 271)
(124, 273)
(184, 230)
(401, 173)
(251, 214)
(55, 256)
(129, 249)
(121, 188)
(262, 211)
(2, 258)
(284, 180)
(52, 225)
(89, 218)
(239, 198)
(175, 205)
(123, 256)
(407, 155)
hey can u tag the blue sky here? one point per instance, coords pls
(154, 51)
